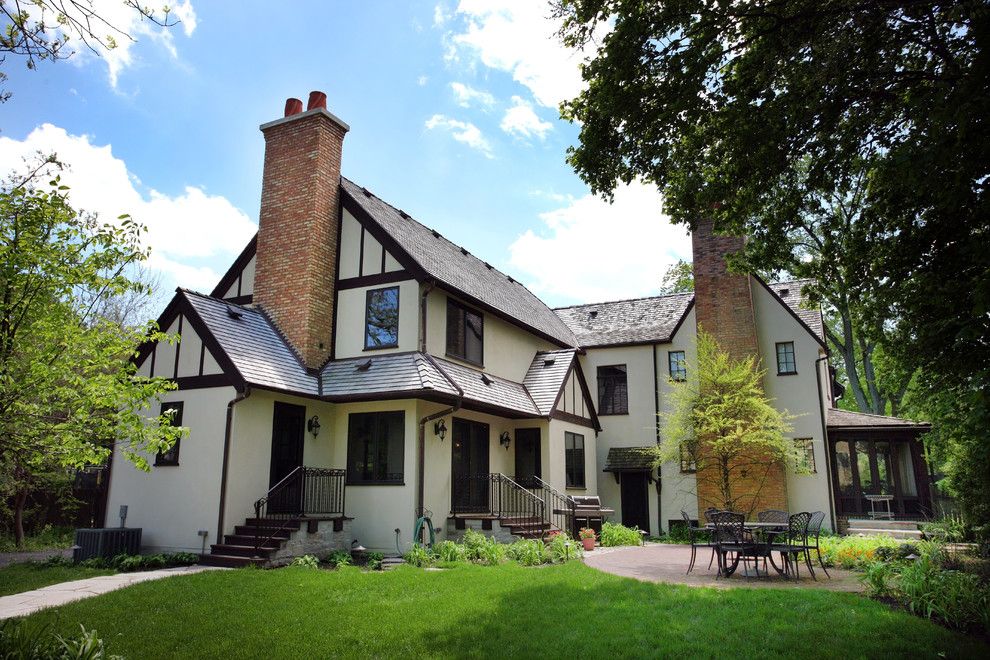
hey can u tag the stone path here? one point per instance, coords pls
(668, 563)
(54, 595)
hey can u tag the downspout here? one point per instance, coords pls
(241, 395)
(826, 444)
(656, 421)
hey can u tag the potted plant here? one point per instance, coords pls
(587, 536)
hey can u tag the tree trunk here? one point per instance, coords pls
(20, 499)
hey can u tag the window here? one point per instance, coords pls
(688, 462)
(677, 365)
(375, 447)
(574, 459)
(806, 455)
(465, 333)
(171, 457)
(381, 318)
(785, 358)
(613, 397)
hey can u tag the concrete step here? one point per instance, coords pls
(230, 561)
(883, 524)
(240, 550)
(251, 530)
(909, 534)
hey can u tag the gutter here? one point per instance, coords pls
(828, 454)
(241, 395)
(656, 421)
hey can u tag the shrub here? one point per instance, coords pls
(20, 640)
(449, 552)
(473, 543)
(853, 552)
(529, 552)
(678, 533)
(418, 556)
(562, 548)
(877, 578)
(493, 553)
(950, 529)
(306, 561)
(957, 599)
(375, 560)
(614, 534)
(127, 563)
(338, 559)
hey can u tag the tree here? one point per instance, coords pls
(43, 29)
(68, 390)
(740, 111)
(679, 278)
(721, 419)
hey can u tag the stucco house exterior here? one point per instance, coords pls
(355, 366)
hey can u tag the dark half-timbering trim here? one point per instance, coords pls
(374, 280)
(201, 382)
(574, 419)
(233, 274)
(241, 300)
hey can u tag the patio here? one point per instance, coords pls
(661, 562)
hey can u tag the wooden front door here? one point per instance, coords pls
(288, 429)
(469, 468)
(634, 495)
(527, 457)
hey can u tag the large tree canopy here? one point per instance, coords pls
(747, 112)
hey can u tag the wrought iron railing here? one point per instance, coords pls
(496, 495)
(558, 507)
(306, 492)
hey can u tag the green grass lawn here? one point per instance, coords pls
(16, 578)
(568, 610)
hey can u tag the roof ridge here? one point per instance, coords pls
(612, 302)
(866, 414)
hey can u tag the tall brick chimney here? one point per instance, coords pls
(723, 304)
(298, 234)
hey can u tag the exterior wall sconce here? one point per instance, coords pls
(440, 429)
(504, 439)
(313, 425)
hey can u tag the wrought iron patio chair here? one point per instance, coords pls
(710, 533)
(814, 533)
(696, 541)
(773, 516)
(731, 538)
(794, 545)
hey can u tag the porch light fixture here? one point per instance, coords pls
(440, 429)
(504, 439)
(313, 425)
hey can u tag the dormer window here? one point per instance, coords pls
(465, 333)
(381, 319)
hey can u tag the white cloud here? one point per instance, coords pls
(593, 251)
(440, 17)
(422, 80)
(182, 230)
(520, 120)
(466, 95)
(124, 21)
(462, 131)
(519, 37)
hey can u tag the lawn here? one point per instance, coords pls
(478, 611)
(16, 578)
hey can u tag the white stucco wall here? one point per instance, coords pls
(508, 349)
(351, 304)
(189, 347)
(351, 264)
(172, 503)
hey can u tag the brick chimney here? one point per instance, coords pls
(298, 232)
(723, 304)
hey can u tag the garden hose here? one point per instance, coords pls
(420, 522)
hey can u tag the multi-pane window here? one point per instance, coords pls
(785, 358)
(677, 365)
(688, 462)
(375, 447)
(613, 396)
(574, 459)
(171, 457)
(381, 318)
(465, 333)
(806, 454)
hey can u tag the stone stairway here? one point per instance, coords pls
(898, 529)
(238, 548)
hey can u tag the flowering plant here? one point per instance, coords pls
(586, 533)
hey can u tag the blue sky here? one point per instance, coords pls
(452, 108)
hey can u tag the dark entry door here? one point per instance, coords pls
(470, 477)
(527, 457)
(288, 426)
(634, 497)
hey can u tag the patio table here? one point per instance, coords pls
(770, 530)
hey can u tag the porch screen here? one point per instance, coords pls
(375, 447)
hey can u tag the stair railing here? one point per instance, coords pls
(515, 502)
(558, 507)
(304, 492)
(495, 495)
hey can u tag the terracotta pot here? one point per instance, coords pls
(589, 544)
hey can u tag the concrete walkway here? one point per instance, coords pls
(54, 595)
(668, 563)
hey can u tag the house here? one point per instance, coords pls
(354, 372)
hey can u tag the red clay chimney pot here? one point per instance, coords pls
(317, 100)
(292, 107)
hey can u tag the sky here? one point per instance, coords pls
(452, 107)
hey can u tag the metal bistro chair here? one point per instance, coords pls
(814, 532)
(694, 533)
(709, 512)
(773, 516)
(730, 537)
(795, 544)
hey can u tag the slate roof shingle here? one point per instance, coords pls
(621, 459)
(386, 374)
(837, 418)
(459, 269)
(790, 293)
(640, 320)
(498, 392)
(546, 376)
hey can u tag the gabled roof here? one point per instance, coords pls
(789, 293)
(547, 375)
(490, 391)
(630, 459)
(387, 374)
(626, 322)
(431, 256)
(837, 418)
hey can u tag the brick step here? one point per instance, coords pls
(240, 550)
(230, 561)
(892, 533)
(273, 522)
(881, 524)
(249, 539)
(251, 530)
